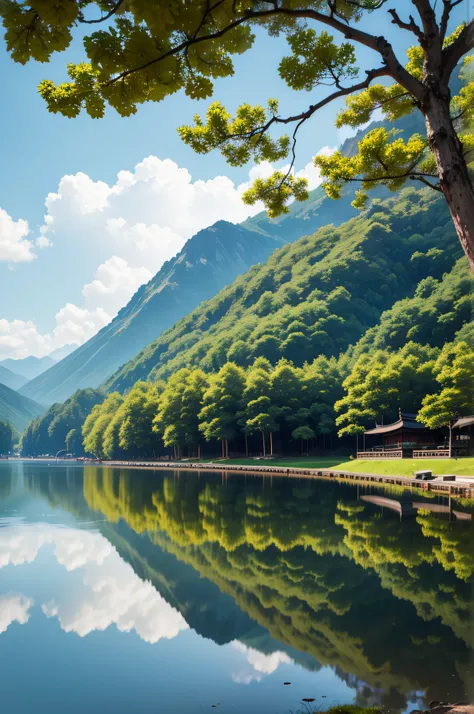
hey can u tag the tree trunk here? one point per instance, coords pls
(452, 170)
(246, 445)
(227, 448)
(450, 439)
(271, 443)
(223, 449)
(199, 451)
(263, 442)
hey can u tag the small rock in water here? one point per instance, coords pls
(286, 683)
(308, 699)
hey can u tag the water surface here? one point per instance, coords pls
(131, 592)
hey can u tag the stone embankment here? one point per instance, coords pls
(463, 487)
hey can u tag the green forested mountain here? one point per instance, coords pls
(60, 426)
(439, 311)
(17, 409)
(322, 293)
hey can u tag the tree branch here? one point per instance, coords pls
(304, 116)
(378, 44)
(435, 187)
(409, 174)
(104, 17)
(410, 26)
(460, 47)
(449, 5)
(427, 17)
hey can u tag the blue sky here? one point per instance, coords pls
(105, 238)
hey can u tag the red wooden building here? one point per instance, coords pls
(405, 438)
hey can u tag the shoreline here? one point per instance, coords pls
(462, 486)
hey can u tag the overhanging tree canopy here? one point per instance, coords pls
(145, 50)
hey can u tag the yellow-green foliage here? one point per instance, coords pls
(146, 50)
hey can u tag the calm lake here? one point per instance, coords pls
(130, 592)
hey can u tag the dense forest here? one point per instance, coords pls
(60, 427)
(313, 297)
(332, 333)
(8, 437)
(264, 409)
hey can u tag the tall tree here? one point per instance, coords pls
(382, 383)
(146, 51)
(222, 404)
(454, 371)
(96, 424)
(139, 409)
(177, 417)
(258, 407)
(192, 401)
(7, 437)
(287, 394)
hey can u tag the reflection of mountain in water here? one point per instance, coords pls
(210, 612)
(326, 575)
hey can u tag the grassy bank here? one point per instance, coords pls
(402, 467)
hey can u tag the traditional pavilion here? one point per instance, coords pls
(405, 438)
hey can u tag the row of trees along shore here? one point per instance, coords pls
(8, 437)
(264, 408)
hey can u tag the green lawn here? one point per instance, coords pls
(402, 467)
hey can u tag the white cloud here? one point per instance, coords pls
(14, 607)
(114, 283)
(108, 591)
(20, 338)
(258, 664)
(141, 221)
(14, 246)
(147, 214)
(43, 242)
(311, 172)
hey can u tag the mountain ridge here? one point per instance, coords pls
(28, 367)
(17, 409)
(11, 379)
(318, 295)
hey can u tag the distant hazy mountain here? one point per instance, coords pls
(28, 367)
(11, 379)
(17, 409)
(62, 352)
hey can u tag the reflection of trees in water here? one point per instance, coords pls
(318, 569)
(5, 483)
(386, 604)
